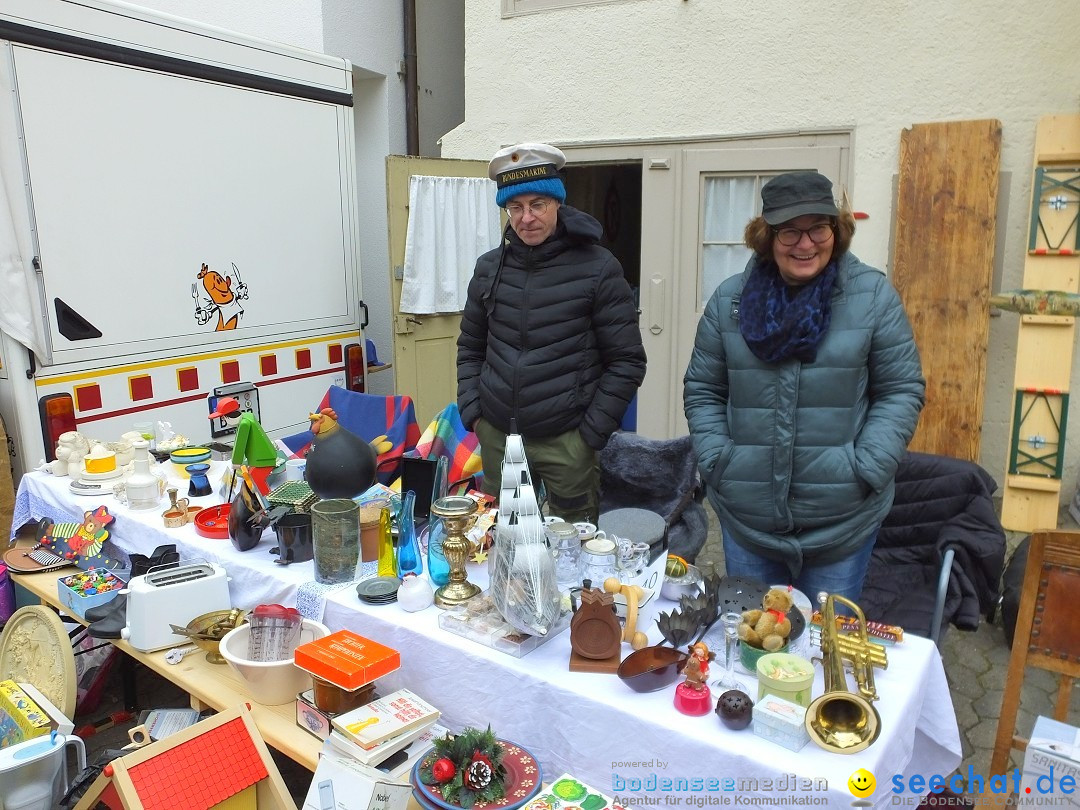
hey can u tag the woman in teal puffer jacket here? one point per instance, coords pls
(802, 393)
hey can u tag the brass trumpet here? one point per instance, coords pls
(842, 721)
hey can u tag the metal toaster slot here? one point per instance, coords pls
(177, 576)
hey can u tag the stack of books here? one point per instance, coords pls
(386, 728)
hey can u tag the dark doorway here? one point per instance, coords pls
(611, 192)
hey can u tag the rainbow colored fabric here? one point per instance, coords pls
(447, 436)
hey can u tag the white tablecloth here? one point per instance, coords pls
(255, 578)
(590, 725)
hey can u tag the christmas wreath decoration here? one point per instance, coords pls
(467, 768)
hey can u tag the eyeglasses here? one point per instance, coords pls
(819, 234)
(537, 207)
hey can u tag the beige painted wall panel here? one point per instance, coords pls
(642, 69)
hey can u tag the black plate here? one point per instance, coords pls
(743, 593)
(378, 589)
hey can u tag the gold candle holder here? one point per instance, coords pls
(456, 512)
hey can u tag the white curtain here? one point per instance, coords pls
(20, 306)
(452, 220)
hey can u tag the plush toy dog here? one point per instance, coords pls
(769, 628)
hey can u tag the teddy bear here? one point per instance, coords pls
(768, 628)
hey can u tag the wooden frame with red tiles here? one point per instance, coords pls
(221, 762)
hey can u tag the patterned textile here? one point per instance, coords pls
(388, 423)
(448, 437)
(779, 322)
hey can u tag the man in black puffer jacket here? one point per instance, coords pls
(549, 345)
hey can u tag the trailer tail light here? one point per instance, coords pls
(354, 367)
(57, 415)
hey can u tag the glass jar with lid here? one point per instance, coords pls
(565, 543)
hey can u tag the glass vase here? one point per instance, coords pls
(387, 566)
(408, 556)
(437, 566)
(335, 530)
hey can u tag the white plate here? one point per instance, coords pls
(96, 488)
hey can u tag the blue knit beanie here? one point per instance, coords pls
(548, 186)
(528, 168)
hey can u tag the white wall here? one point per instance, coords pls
(369, 34)
(644, 69)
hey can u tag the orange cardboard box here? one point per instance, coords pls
(346, 659)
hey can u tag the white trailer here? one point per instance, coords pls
(180, 221)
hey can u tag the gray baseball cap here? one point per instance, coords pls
(794, 194)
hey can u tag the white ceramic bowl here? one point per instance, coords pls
(269, 682)
(674, 588)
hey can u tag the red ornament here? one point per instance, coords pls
(443, 770)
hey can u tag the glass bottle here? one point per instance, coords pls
(437, 566)
(387, 566)
(408, 557)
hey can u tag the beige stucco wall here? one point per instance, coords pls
(644, 69)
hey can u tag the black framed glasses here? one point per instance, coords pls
(819, 234)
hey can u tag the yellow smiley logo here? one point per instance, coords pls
(862, 783)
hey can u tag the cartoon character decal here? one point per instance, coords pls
(218, 295)
(73, 540)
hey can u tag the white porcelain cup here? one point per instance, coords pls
(587, 531)
(295, 469)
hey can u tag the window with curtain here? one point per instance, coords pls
(729, 201)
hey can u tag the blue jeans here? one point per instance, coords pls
(844, 577)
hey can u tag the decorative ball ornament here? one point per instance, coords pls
(735, 709)
(443, 770)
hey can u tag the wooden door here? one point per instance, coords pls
(425, 346)
(943, 265)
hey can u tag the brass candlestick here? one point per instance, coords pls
(457, 513)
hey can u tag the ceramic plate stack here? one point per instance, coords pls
(378, 591)
(523, 781)
(98, 484)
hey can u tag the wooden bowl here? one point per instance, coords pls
(652, 668)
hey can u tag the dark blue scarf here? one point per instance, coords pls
(779, 321)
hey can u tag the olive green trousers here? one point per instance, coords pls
(566, 465)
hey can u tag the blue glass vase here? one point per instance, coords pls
(408, 556)
(437, 566)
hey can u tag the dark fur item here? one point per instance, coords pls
(661, 476)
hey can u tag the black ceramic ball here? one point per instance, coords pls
(735, 709)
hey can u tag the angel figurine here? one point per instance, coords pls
(696, 668)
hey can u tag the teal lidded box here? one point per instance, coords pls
(86, 589)
(781, 721)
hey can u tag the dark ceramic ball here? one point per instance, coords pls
(735, 709)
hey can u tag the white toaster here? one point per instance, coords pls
(169, 596)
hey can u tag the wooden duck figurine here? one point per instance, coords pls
(339, 464)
